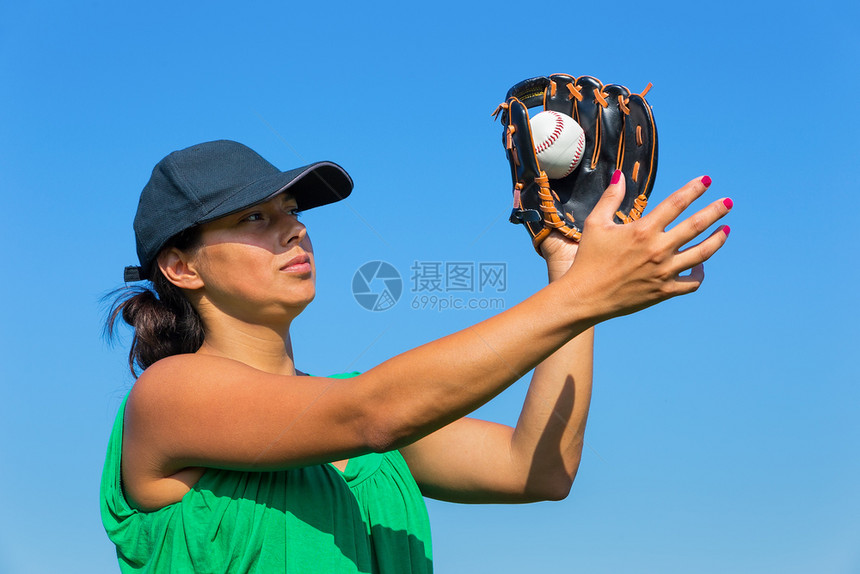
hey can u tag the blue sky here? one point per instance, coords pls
(723, 434)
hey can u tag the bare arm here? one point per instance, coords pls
(479, 461)
(189, 411)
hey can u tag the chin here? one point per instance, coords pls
(305, 300)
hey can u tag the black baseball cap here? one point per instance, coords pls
(213, 179)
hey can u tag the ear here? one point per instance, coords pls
(179, 269)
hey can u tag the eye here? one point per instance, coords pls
(256, 216)
(290, 207)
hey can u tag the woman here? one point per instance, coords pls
(226, 458)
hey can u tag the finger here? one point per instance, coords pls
(701, 252)
(671, 207)
(697, 223)
(689, 283)
(611, 199)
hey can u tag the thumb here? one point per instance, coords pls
(611, 199)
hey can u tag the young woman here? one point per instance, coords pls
(225, 458)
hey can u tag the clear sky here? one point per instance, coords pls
(724, 433)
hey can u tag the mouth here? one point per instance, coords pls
(298, 264)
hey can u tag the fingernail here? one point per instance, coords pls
(728, 203)
(616, 177)
(706, 181)
(727, 230)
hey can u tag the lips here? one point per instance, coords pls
(298, 264)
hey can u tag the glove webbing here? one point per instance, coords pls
(550, 213)
(635, 212)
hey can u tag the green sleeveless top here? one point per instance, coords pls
(369, 518)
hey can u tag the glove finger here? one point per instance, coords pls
(588, 114)
(519, 147)
(611, 127)
(581, 190)
(530, 92)
(639, 154)
(561, 94)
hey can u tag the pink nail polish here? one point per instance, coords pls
(727, 230)
(616, 177)
(728, 203)
(706, 181)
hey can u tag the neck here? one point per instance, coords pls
(258, 346)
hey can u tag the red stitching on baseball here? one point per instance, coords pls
(580, 144)
(559, 124)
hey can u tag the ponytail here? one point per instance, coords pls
(164, 321)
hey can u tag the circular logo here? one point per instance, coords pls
(377, 286)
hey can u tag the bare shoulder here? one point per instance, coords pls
(179, 372)
(202, 411)
(182, 384)
(184, 392)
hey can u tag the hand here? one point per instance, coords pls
(633, 266)
(559, 253)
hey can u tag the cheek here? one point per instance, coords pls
(235, 267)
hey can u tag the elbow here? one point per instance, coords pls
(379, 439)
(559, 491)
(383, 433)
(552, 486)
(388, 425)
(551, 490)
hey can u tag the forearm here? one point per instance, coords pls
(547, 441)
(476, 461)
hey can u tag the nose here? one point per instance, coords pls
(293, 231)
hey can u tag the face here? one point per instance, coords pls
(257, 264)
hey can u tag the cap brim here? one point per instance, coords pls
(313, 185)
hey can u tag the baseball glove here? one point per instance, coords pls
(619, 134)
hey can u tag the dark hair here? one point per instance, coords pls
(164, 321)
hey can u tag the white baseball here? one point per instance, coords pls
(559, 143)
